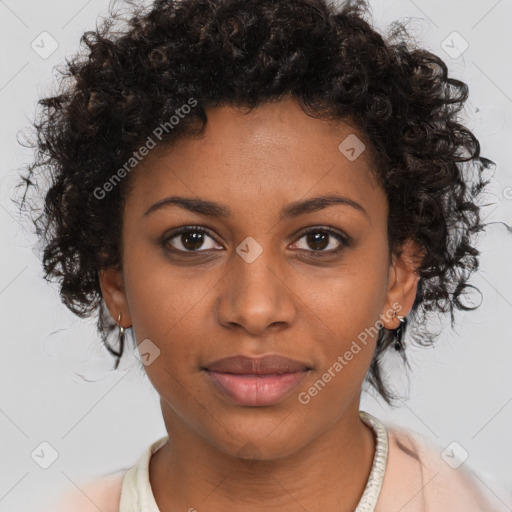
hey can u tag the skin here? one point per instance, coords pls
(200, 307)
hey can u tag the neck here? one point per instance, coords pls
(329, 473)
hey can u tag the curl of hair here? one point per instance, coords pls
(134, 76)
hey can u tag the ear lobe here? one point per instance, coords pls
(403, 283)
(112, 289)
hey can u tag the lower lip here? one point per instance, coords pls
(256, 390)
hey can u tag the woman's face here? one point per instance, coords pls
(255, 283)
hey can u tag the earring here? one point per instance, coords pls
(398, 332)
(121, 341)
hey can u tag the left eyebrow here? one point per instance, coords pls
(213, 209)
(318, 203)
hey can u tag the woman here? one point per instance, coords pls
(265, 194)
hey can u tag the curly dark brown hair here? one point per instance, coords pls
(135, 75)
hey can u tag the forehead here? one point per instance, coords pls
(273, 155)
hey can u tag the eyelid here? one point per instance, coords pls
(185, 229)
(343, 238)
(326, 229)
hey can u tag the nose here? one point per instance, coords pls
(256, 296)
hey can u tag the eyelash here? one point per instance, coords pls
(344, 242)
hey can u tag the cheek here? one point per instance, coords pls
(350, 298)
(345, 310)
(172, 307)
(162, 297)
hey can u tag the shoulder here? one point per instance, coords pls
(105, 493)
(421, 475)
(100, 494)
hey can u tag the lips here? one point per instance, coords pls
(256, 381)
(265, 365)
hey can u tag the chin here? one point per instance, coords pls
(265, 440)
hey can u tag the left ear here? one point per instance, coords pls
(402, 284)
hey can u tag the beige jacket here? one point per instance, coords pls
(417, 479)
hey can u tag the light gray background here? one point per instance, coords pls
(461, 389)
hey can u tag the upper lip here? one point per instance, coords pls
(265, 365)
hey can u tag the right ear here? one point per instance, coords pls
(112, 289)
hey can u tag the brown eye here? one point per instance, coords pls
(317, 240)
(189, 239)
